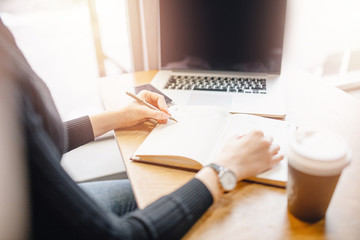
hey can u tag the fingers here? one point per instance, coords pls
(155, 99)
(161, 117)
(274, 149)
(158, 101)
(277, 158)
(269, 139)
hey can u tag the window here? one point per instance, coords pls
(323, 37)
(56, 38)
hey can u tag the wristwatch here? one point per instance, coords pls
(227, 177)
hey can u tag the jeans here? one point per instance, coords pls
(114, 195)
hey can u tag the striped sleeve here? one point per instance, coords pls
(79, 132)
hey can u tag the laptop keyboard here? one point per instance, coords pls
(217, 84)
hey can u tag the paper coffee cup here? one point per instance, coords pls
(316, 160)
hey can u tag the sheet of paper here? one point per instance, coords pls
(194, 136)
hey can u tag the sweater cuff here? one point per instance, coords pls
(79, 132)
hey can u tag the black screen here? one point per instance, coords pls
(222, 35)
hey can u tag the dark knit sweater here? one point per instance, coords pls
(59, 208)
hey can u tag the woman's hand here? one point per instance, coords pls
(249, 155)
(133, 114)
(246, 156)
(136, 113)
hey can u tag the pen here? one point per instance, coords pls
(147, 104)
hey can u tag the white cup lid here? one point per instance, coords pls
(318, 152)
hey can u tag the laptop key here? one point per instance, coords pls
(210, 89)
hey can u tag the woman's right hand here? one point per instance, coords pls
(246, 156)
(249, 155)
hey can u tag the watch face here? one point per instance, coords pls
(228, 181)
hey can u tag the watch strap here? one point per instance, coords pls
(220, 172)
(214, 166)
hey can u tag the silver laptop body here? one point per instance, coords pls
(223, 53)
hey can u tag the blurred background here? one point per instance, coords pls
(322, 37)
(56, 38)
(62, 40)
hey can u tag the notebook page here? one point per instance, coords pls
(194, 136)
(239, 124)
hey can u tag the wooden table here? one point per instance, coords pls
(255, 211)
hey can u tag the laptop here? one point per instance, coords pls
(225, 53)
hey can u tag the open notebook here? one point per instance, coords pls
(200, 134)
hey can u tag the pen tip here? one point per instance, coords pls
(173, 119)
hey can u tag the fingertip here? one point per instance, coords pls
(278, 157)
(162, 121)
(275, 148)
(164, 109)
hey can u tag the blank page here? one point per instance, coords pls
(195, 135)
(240, 124)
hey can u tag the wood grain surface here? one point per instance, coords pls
(255, 211)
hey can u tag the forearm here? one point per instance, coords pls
(173, 215)
(210, 179)
(104, 122)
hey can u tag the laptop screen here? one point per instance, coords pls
(222, 35)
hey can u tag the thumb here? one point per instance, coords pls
(155, 114)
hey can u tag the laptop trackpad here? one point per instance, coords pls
(223, 101)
